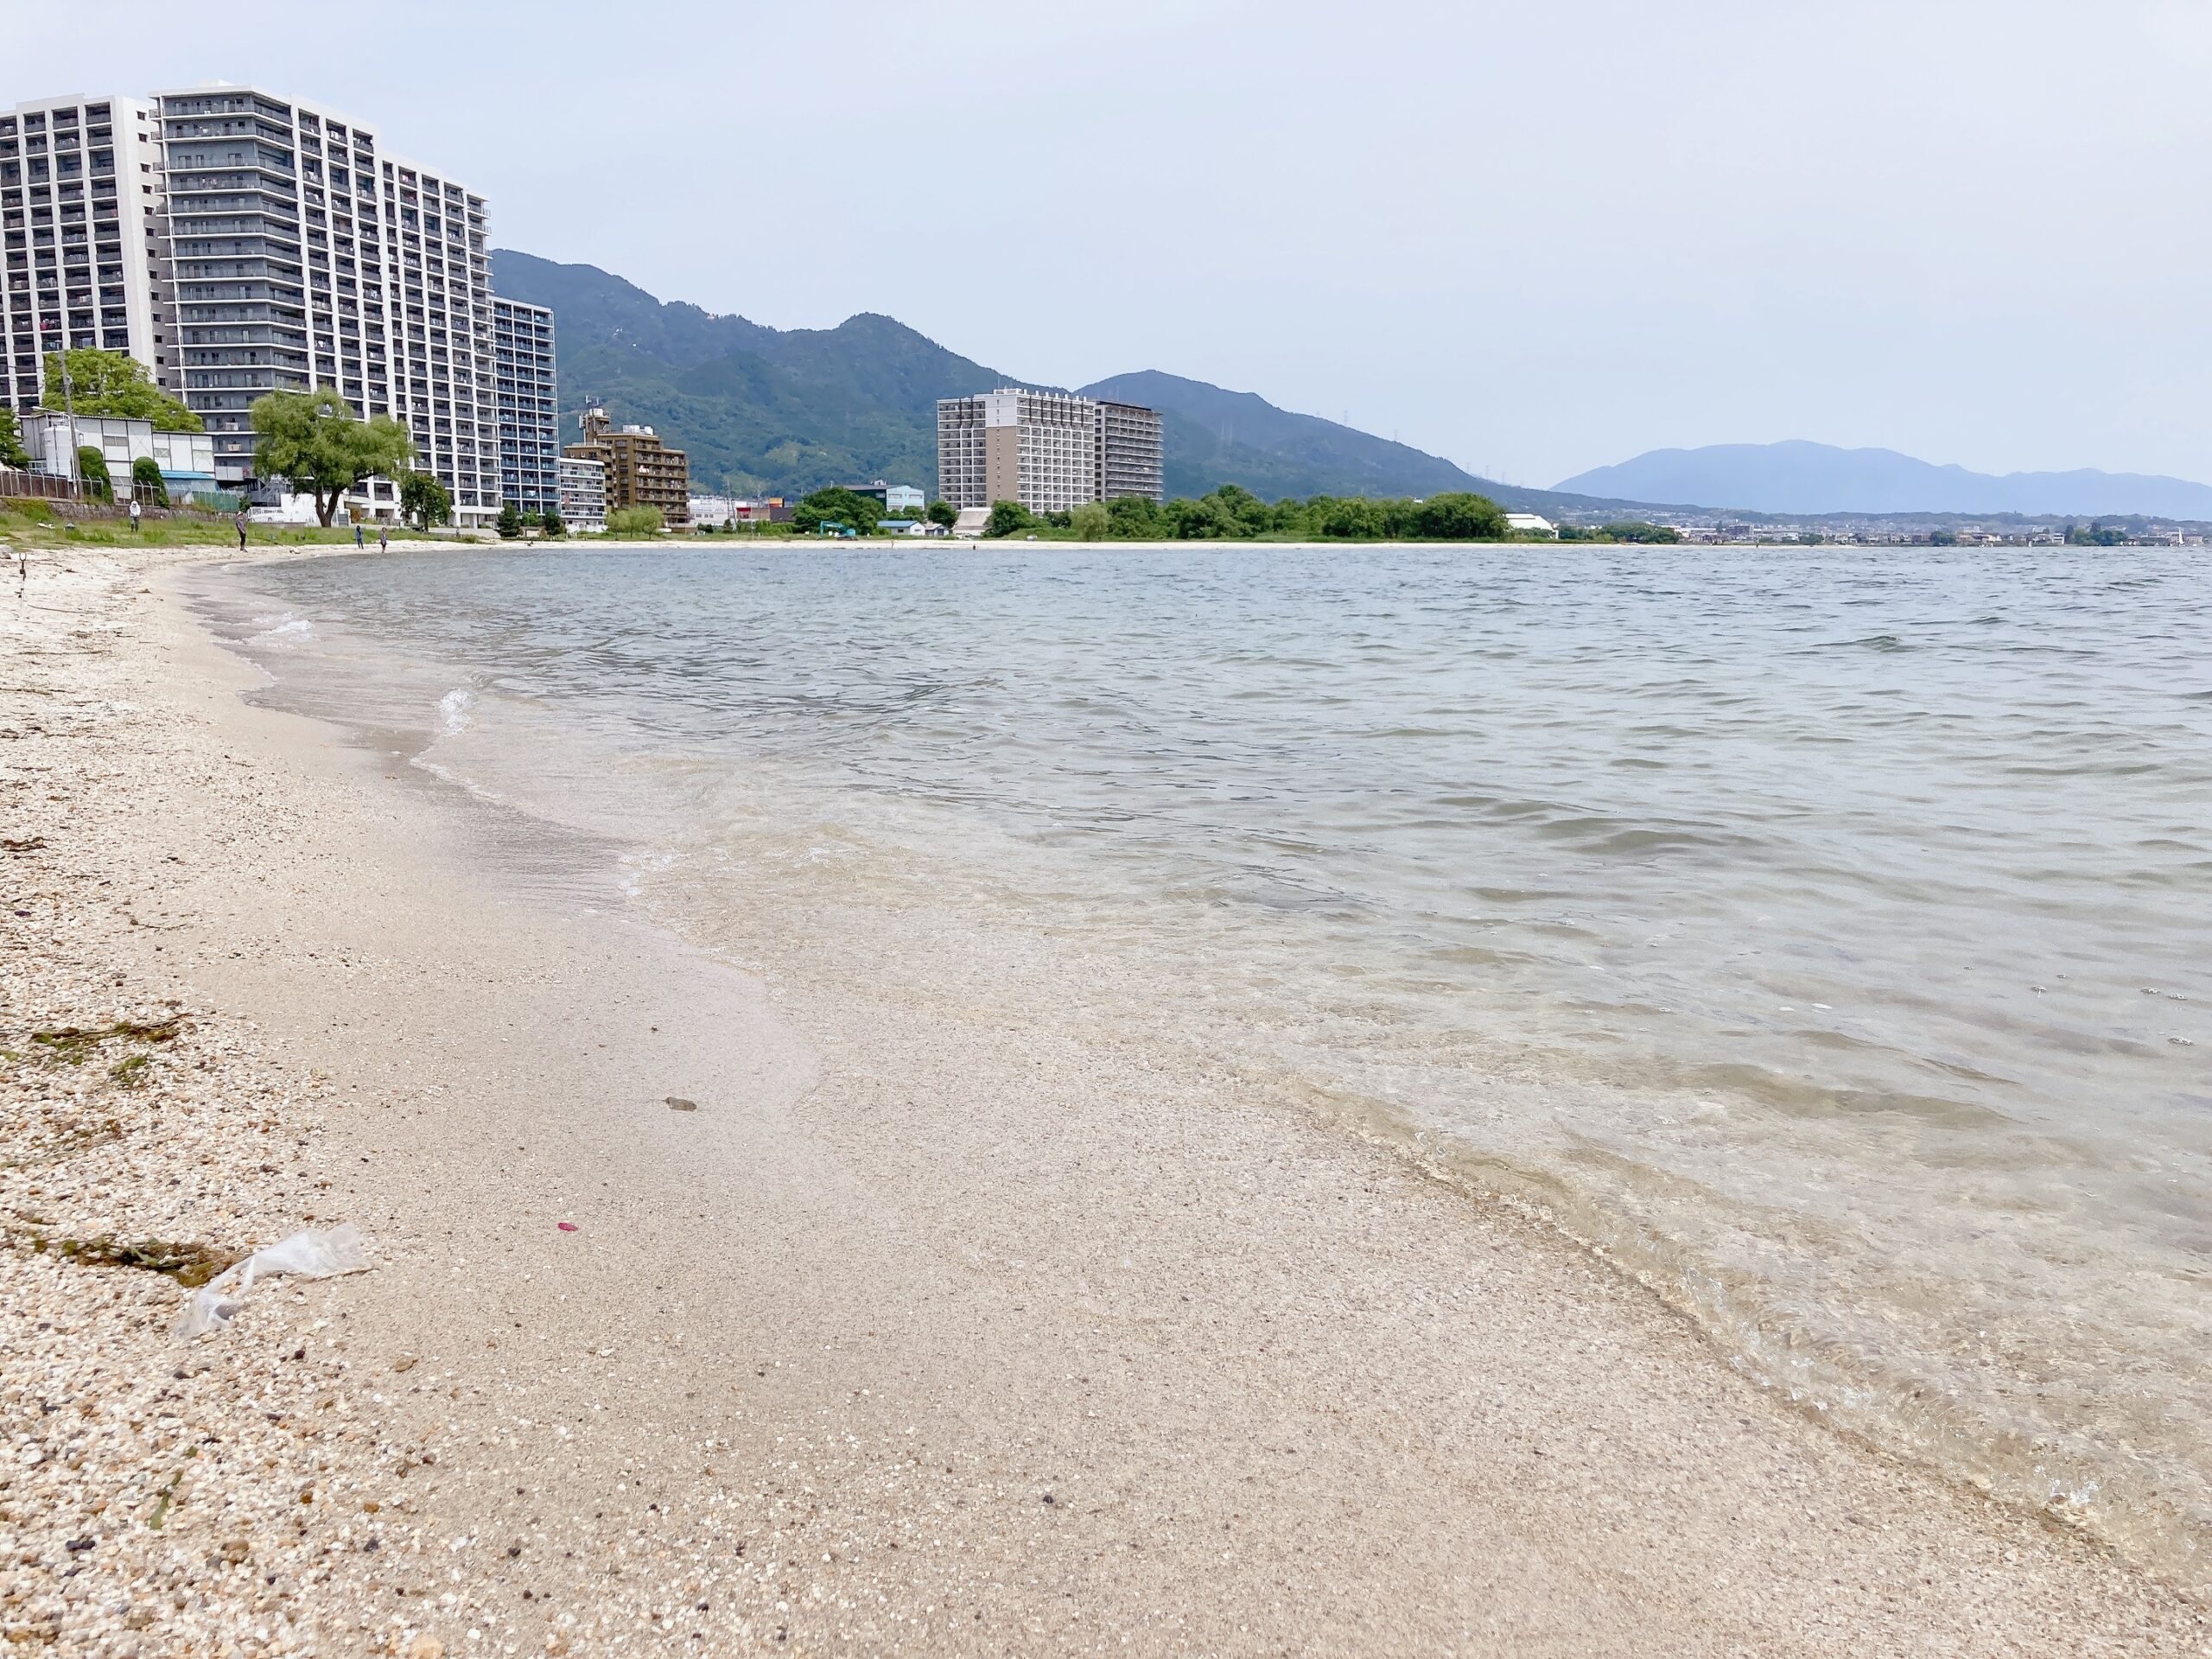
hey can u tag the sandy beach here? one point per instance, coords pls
(875, 1325)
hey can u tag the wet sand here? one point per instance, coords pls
(930, 1331)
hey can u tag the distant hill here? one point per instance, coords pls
(1797, 477)
(1213, 438)
(770, 409)
(756, 408)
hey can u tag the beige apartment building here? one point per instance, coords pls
(639, 469)
(1051, 451)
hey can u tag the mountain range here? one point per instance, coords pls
(789, 410)
(763, 409)
(1801, 478)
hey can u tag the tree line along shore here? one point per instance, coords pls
(1228, 512)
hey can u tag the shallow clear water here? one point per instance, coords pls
(1828, 934)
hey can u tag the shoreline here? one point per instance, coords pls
(975, 1339)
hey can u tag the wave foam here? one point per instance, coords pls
(289, 629)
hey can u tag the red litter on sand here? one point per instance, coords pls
(566, 1226)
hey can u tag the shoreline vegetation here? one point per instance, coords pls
(1233, 513)
(38, 524)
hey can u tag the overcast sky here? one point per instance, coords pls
(1534, 238)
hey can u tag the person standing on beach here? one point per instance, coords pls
(135, 524)
(240, 522)
(357, 532)
(384, 539)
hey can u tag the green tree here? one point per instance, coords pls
(116, 384)
(1638, 530)
(1092, 522)
(1214, 518)
(92, 472)
(1007, 519)
(2099, 534)
(1457, 516)
(509, 521)
(1136, 518)
(1352, 518)
(550, 525)
(424, 499)
(12, 452)
(1945, 538)
(312, 439)
(1238, 508)
(838, 506)
(635, 523)
(943, 512)
(147, 482)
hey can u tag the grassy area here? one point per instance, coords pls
(34, 524)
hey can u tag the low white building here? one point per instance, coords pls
(1529, 523)
(904, 500)
(583, 494)
(186, 460)
(972, 521)
(712, 512)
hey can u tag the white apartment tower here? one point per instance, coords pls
(1037, 448)
(80, 225)
(1049, 450)
(306, 255)
(529, 404)
(238, 243)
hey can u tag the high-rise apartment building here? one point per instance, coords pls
(528, 404)
(1049, 450)
(80, 226)
(305, 255)
(1129, 451)
(238, 243)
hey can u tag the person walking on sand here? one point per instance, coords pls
(384, 539)
(357, 532)
(240, 522)
(135, 524)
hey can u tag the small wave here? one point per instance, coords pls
(286, 630)
(1612, 836)
(454, 706)
(639, 868)
(1870, 642)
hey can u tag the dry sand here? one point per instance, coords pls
(925, 1332)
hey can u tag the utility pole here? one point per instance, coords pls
(69, 407)
(69, 394)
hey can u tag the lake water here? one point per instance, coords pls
(1825, 935)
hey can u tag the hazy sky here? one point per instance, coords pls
(1532, 238)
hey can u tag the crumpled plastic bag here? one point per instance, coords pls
(318, 1253)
